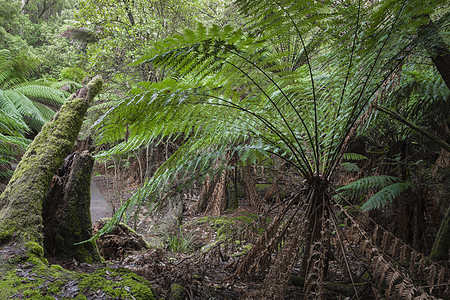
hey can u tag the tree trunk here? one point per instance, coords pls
(437, 49)
(21, 221)
(250, 188)
(441, 245)
(66, 214)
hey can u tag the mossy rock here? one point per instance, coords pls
(27, 280)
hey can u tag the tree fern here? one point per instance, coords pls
(230, 90)
(24, 105)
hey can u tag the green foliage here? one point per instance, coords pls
(179, 242)
(11, 23)
(388, 188)
(354, 156)
(73, 74)
(274, 92)
(361, 187)
(386, 195)
(24, 106)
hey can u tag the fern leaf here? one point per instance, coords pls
(360, 187)
(386, 195)
(45, 94)
(354, 156)
(350, 167)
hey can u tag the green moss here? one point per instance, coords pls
(29, 283)
(34, 248)
(43, 282)
(117, 283)
(7, 230)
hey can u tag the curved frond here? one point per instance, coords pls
(42, 93)
(354, 156)
(12, 124)
(24, 105)
(356, 189)
(386, 195)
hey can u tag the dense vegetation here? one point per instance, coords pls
(329, 120)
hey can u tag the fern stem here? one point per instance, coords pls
(341, 246)
(290, 103)
(316, 150)
(354, 117)
(265, 122)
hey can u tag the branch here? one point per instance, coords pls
(404, 121)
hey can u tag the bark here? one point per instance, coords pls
(441, 245)
(67, 216)
(218, 200)
(21, 222)
(250, 188)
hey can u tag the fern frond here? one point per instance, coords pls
(12, 125)
(386, 195)
(354, 156)
(350, 167)
(42, 93)
(362, 186)
(24, 105)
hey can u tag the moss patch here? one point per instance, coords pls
(30, 281)
(115, 283)
(176, 292)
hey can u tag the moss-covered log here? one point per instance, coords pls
(441, 245)
(66, 211)
(22, 200)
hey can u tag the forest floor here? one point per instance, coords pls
(183, 263)
(182, 258)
